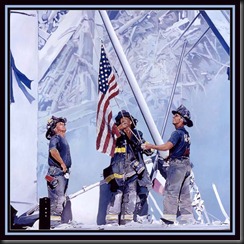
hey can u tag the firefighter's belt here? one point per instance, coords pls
(120, 150)
(113, 176)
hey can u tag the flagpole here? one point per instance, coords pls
(154, 168)
(133, 83)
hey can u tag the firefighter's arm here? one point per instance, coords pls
(55, 154)
(163, 147)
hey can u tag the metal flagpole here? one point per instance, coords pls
(169, 105)
(132, 82)
(174, 87)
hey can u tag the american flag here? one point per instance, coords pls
(158, 182)
(107, 89)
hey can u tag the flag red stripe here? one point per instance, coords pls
(107, 140)
(158, 187)
(108, 89)
(103, 122)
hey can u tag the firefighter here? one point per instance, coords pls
(177, 200)
(59, 161)
(127, 173)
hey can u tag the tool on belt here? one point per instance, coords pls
(53, 182)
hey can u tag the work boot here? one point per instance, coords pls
(55, 220)
(112, 219)
(143, 219)
(126, 218)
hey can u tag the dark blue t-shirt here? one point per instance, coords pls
(61, 144)
(181, 141)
